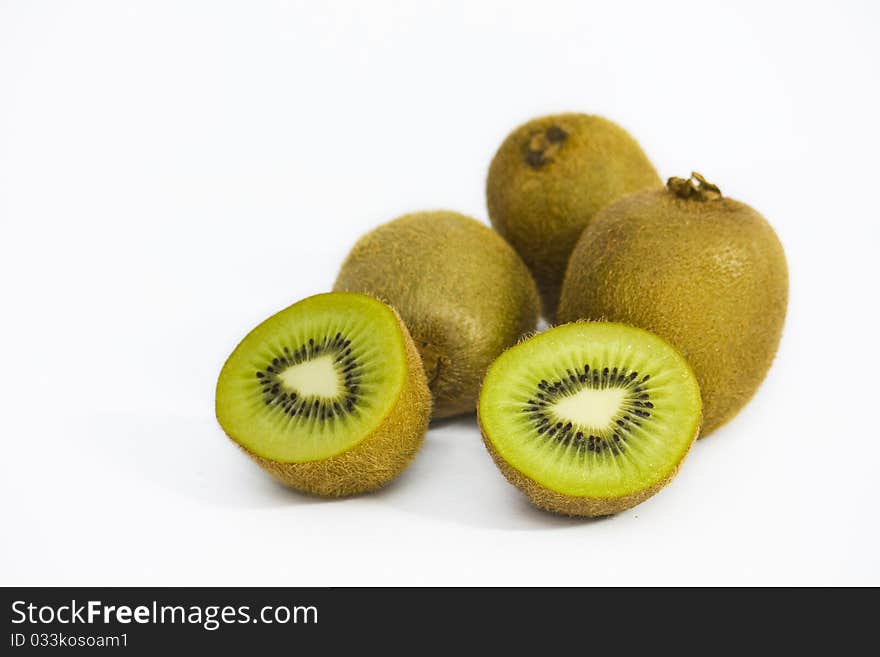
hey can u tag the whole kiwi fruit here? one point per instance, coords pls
(328, 395)
(589, 418)
(462, 291)
(705, 272)
(548, 180)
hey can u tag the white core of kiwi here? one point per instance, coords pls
(313, 378)
(593, 409)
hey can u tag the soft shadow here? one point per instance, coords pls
(191, 457)
(454, 480)
(462, 421)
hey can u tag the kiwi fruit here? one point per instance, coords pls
(548, 180)
(328, 395)
(590, 418)
(461, 290)
(705, 272)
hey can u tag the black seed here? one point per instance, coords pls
(542, 429)
(619, 423)
(580, 435)
(633, 375)
(260, 375)
(648, 404)
(646, 377)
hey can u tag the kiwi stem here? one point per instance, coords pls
(695, 188)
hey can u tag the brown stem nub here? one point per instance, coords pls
(696, 188)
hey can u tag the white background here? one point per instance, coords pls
(171, 173)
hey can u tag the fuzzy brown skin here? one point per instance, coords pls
(462, 291)
(549, 179)
(378, 458)
(569, 505)
(708, 275)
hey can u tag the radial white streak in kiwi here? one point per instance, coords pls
(313, 378)
(590, 408)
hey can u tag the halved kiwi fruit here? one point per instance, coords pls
(328, 395)
(590, 418)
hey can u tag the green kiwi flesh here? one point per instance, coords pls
(590, 418)
(328, 395)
